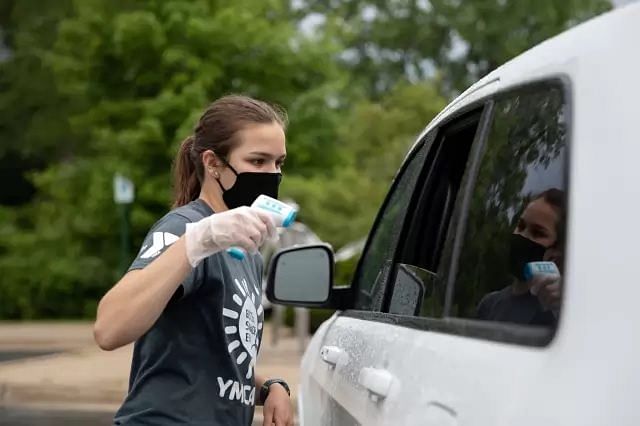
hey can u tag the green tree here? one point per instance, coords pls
(461, 41)
(375, 137)
(95, 87)
(135, 76)
(32, 111)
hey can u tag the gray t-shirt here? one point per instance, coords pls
(195, 365)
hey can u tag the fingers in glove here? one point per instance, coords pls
(550, 296)
(268, 221)
(247, 244)
(260, 221)
(259, 233)
(539, 282)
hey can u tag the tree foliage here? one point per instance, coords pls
(460, 41)
(132, 78)
(90, 88)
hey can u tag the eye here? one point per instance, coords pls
(258, 162)
(540, 233)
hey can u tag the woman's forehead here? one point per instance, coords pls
(262, 138)
(540, 212)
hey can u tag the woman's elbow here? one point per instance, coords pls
(104, 331)
(104, 337)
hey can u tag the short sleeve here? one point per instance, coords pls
(162, 235)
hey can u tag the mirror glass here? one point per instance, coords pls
(303, 275)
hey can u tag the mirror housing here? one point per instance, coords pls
(302, 276)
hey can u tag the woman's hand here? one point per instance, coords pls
(548, 289)
(244, 227)
(277, 408)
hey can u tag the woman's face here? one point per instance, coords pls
(538, 223)
(260, 148)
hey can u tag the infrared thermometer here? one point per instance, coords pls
(549, 269)
(540, 268)
(283, 216)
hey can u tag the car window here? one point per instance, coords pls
(416, 287)
(377, 259)
(517, 214)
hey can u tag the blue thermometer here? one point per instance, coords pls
(542, 268)
(283, 216)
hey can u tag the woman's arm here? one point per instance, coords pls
(134, 304)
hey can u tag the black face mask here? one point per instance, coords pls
(248, 186)
(522, 251)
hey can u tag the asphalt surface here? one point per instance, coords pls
(14, 355)
(19, 416)
(35, 417)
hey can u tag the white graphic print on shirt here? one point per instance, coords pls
(244, 322)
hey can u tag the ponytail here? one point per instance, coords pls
(216, 131)
(186, 184)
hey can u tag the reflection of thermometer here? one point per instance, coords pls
(549, 269)
(282, 214)
(540, 268)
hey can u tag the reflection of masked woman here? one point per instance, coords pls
(539, 235)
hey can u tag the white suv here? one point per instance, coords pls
(539, 160)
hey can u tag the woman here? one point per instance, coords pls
(193, 311)
(539, 235)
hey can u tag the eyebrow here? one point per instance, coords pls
(540, 228)
(265, 154)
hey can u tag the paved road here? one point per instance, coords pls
(30, 417)
(81, 385)
(36, 417)
(13, 355)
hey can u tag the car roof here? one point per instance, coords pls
(601, 41)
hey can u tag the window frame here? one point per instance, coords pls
(475, 116)
(445, 132)
(464, 327)
(426, 142)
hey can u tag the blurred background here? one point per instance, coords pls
(94, 89)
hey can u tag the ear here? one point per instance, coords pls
(211, 160)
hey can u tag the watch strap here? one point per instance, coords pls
(264, 390)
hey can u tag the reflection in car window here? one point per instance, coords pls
(517, 214)
(377, 260)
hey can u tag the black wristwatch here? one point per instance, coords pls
(264, 390)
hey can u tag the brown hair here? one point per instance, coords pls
(215, 131)
(556, 198)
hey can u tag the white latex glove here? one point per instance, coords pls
(243, 227)
(548, 290)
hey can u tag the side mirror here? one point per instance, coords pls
(301, 276)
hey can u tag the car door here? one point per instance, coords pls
(470, 367)
(413, 351)
(329, 367)
(345, 380)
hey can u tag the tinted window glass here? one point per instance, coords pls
(416, 287)
(378, 258)
(517, 214)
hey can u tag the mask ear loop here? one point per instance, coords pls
(216, 175)
(226, 163)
